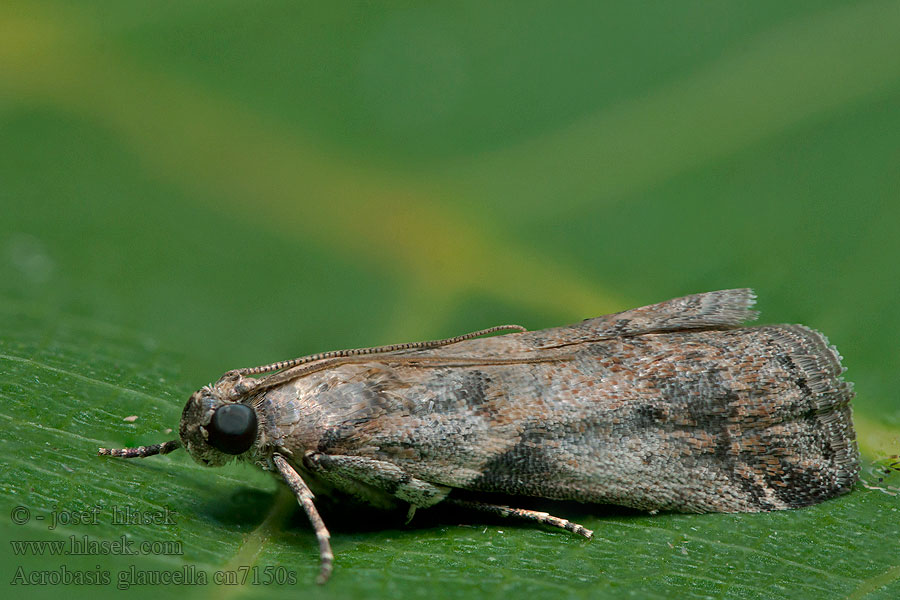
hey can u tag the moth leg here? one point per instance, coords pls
(524, 513)
(375, 480)
(305, 498)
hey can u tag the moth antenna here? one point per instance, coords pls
(141, 451)
(286, 364)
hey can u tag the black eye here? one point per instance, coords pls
(232, 429)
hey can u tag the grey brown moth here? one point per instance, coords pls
(673, 406)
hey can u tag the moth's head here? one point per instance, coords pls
(215, 430)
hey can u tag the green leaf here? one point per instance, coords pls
(59, 408)
(185, 190)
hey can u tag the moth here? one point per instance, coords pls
(673, 406)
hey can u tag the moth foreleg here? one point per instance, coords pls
(374, 480)
(524, 513)
(305, 498)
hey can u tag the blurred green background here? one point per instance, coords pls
(188, 187)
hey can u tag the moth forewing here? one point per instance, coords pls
(672, 406)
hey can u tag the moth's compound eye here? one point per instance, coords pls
(232, 429)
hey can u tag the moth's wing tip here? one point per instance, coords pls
(724, 307)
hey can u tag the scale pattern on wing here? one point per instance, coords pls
(670, 406)
(709, 310)
(734, 420)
